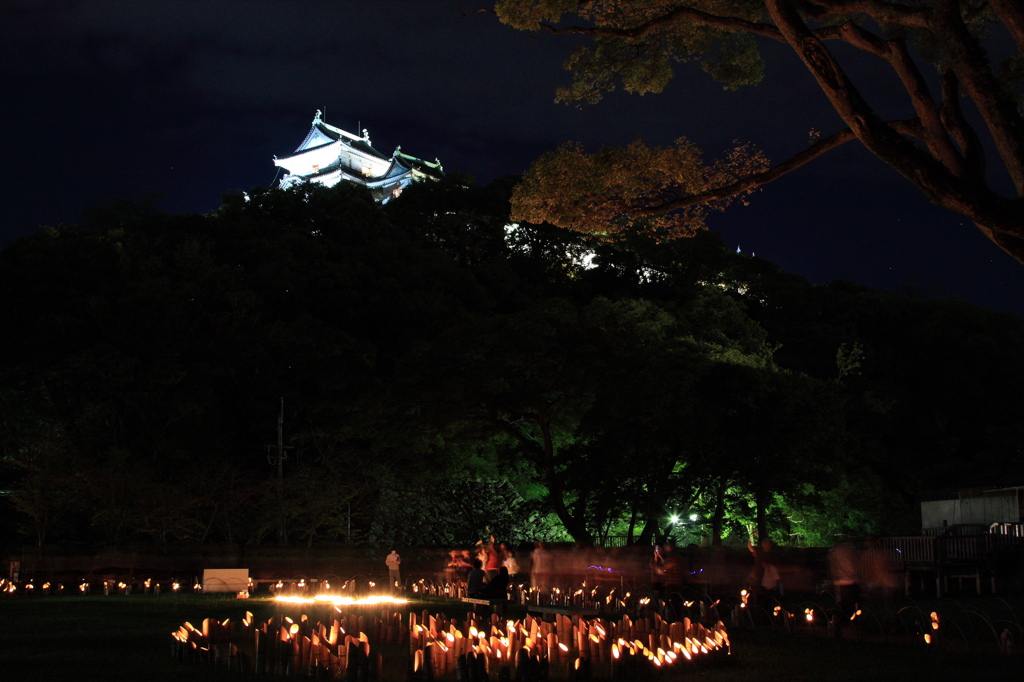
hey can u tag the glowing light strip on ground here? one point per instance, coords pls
(342, 601)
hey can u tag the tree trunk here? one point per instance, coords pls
(762, 513)
(718, 515)
(647, 534)
(556, 493)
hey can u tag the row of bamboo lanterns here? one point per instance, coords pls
(287, 647)
(471, 649)
(440, 646)
(107, 587)
(604, 601)
(113, 586)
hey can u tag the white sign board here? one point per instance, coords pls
(225, 580)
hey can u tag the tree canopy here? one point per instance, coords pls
(444, 371)
(943, 54)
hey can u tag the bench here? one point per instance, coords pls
(496, 605)
(570, 611)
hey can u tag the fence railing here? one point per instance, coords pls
(933, 550)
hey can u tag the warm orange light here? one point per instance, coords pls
(341, 601)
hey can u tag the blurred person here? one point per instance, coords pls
(657, 566)
(510, 562)
(495, 558)
(497, 587)
(393, 561)
(764, 579)
(844, 561)
(878, 574)
(540, 575)
(476, 580)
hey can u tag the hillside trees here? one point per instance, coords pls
(161, 347)
(974, 49)
(606, 405)
(443, 374)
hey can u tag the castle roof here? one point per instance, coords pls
(329, 154)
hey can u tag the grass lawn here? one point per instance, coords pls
(53, 639)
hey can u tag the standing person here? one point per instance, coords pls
(497, 588)
(764, 576)
(394, 574)
(878, 574)
(476, 580)
(540, 574)
(510, 561)
(672, 568)
(657, 572)
(495, 558)
(844, 562)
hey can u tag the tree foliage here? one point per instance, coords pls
(625, 190)
(975, 49)
(444, 372)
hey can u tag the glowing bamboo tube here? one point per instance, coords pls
(450, 648)
(552, 643)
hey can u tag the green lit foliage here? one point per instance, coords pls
(456, 510)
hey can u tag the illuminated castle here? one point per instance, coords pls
(331, 155)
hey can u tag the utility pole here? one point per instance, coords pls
(275, 457)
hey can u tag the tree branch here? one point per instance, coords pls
(970, 64)
(682, 14)
(1011, 12)
(755, 180)
(896, 55)
(883, 12)
(960, 130)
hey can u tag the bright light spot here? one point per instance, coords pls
(341, 601)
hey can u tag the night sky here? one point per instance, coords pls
(191, 99)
